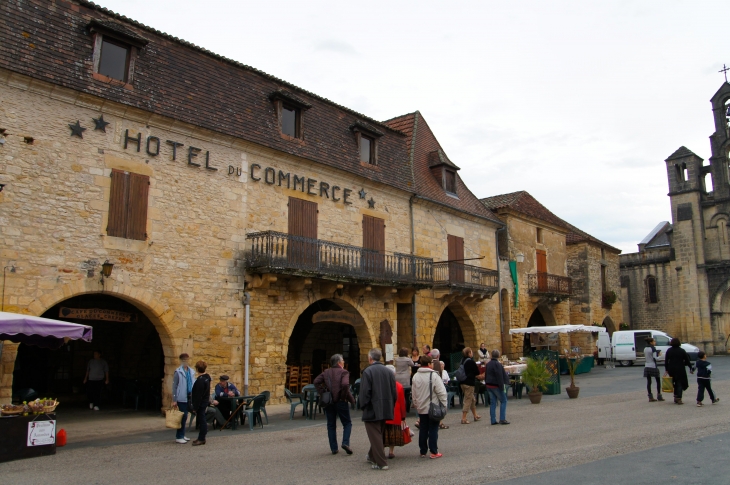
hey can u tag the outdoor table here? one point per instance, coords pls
(19, 438)
(235, 402)
(310, 400)
(516, 384)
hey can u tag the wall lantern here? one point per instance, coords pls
(106, 270)
(520, 258)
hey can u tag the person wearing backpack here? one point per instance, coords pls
(466, 374)
(426, 388)
(336, 380)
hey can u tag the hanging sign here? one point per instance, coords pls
(97, 314)
(41, 433)
(544, 339)
(334, 316)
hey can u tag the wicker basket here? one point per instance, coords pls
(51, 408)
(11, 413)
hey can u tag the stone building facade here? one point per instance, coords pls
(552, 273)
(208, 183)
(678, 281)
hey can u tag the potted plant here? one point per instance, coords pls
(623, 326)
(572, 361)
(536, 376)
(609, 298)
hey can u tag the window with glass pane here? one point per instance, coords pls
(366, 149)
(114, 60)
(289, 121)
(661, 340)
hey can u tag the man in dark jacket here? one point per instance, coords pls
(675, 360)
(336, 380)
(377, 400)
(200, 400)
(496, 379)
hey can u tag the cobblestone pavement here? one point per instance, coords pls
(612, 420)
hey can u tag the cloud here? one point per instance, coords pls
(337, 46)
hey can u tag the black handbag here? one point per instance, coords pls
(325, 399)
(436, 411)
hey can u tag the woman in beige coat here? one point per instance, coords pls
(427, 387)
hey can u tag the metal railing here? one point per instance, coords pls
(274, 252)
(549, 284)
(465, 275)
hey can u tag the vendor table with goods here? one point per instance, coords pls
(27, 430)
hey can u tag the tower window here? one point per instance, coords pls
(650, 290)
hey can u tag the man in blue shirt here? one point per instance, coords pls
(223, 389)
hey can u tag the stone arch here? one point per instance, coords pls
(466, 326)
(610, 326)
(161, 316)
(720, 317)
(364, 330)
(720, 216)
(545, 313)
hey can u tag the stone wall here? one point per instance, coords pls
(584, 267)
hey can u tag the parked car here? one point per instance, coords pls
(627, 346)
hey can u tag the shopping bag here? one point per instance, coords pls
(406, 433)
(667, 384)
(173, 418)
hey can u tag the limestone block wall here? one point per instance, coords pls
(584, 268)
(185, 276)
(523, 239)
(662, 315)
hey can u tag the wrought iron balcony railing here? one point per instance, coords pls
(465, 276)
(277, 252)
(549, 285)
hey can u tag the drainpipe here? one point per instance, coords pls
(499, 287)
(247, 319)
(413, 252)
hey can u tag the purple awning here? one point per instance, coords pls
(41, 332)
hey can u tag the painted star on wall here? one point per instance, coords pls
(371, 203)
(100, 123)
(362, 193)
(77, 129)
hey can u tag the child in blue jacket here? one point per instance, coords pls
(704, 371)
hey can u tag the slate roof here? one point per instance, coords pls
(173, 78)
(525, 203)
(421, 145)
(681, 152)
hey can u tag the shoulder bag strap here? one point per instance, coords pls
(430, 387)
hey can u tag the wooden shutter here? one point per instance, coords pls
(373, 238)
(118, 195)
(456, 256)
(139, 186)
(303, 223)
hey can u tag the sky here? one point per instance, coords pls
(577, 102)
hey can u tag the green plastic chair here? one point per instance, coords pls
(290, 397)
(267, 395)
(254, 413)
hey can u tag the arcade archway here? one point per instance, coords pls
(324, 328)
(541, 317)
(454, 331)
(128, 340)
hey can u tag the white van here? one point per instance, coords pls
(628, 346)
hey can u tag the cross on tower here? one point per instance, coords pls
(724, 70)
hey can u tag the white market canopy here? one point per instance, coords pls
(557, 329)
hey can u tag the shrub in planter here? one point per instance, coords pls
(609, 298)
(536, 376)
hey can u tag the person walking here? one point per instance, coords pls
(336, 380)
(495, 379)
(650, 369)
(440, 369)
(704, 373)
(674, 362)
(393, 435)
(403, 365)
(427, 387)
(467, 385)
(377, 401)
(200, 399)
(97, 376)
(182, 389)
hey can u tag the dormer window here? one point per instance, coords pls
(367, 143)
(444, 171)
(289, 109)
(115, 51)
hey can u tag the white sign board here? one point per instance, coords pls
(388, 352)
(41, 433)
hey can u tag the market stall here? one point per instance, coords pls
(28, 429)
(548, 338)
